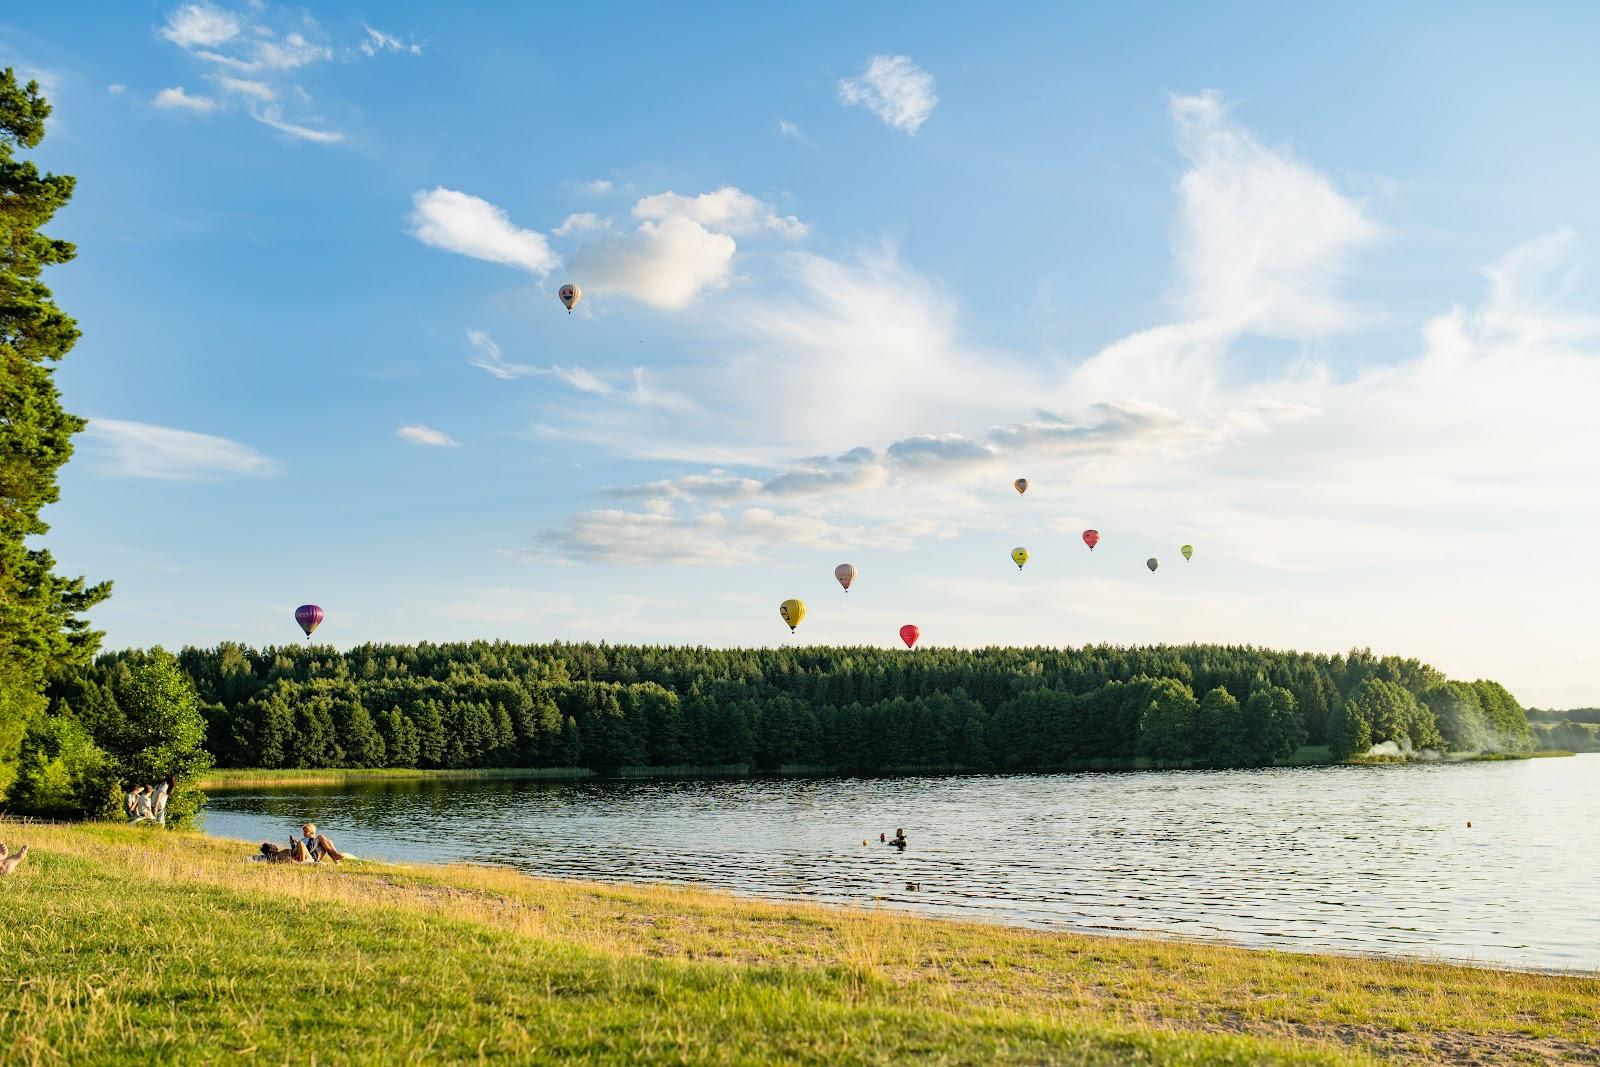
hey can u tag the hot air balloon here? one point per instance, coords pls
(792, 612)
(570, 295)
(1020, 485)
(1152, 564)
(309, 616)
(909, 634)
(1188, 551)
(846, 573)
(1019, 556)
(1091, 538)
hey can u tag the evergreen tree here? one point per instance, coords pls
(1166, 728)
(41, 624)
(1349, 732)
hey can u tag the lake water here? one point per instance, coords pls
(1346, 859)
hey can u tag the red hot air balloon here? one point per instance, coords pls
(309, 616)
(909, 634)
(1091, 538)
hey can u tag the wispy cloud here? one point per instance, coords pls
(161, 453)
(255, 90)
(178, 99)
(272, 115)
(459, 222)
(1263, 239)
(116, 88)
(893, 88)
(791, 131)
(272, 49)
(600, 186)
(424, 435)
(486, 355)
(378, 41)
(200, 26)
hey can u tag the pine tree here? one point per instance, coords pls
(40, 612)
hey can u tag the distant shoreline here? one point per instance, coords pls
(224, 780)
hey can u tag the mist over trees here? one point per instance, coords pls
(859, 710)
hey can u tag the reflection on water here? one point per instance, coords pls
(1373, 859)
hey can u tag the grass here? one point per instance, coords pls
(125, 945)
(257, 778)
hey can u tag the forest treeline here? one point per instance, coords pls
(608, 707)
(1575, 729)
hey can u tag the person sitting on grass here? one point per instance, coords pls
(319, 846)
(139, 805)
(295, 853)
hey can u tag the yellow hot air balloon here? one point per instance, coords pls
(1188, 552)
(1019, 556)
(570, 295)
(845, 573)
(792, 612)
(1020, 485)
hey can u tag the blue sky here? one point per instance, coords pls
(1306, 290)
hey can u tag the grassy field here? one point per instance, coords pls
(123, 945)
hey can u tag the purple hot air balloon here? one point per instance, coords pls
(309, 616)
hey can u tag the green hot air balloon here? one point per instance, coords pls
(1188, 551)
(1152, 564)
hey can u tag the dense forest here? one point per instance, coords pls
(1575, 729)
(609, 707)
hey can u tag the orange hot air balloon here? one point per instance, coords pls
(1091, 538)
(909, 634)
(1020, 485)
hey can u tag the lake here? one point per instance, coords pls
(1344, 859)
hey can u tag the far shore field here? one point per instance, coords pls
(130, 945)
(225, 779)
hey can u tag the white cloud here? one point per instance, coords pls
(791, 131)
(458, 222)
(255, 90)
(666, 264)
(893, 88)
(116, 88)
(215, 36)
(141, 450)
(378, 41)
(727, 210)
(486, 355)
(423, 435)
(1262, 238)
(613, 536)
(581, 222)
(272, 115)
(176, 99)
(599, 186)
(200, 25)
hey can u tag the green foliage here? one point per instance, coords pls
(860, 710)
(1349, 732)
(1167, 729)
(1567, 735)
(62, 773)
(41, 624)
(1391, 714)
